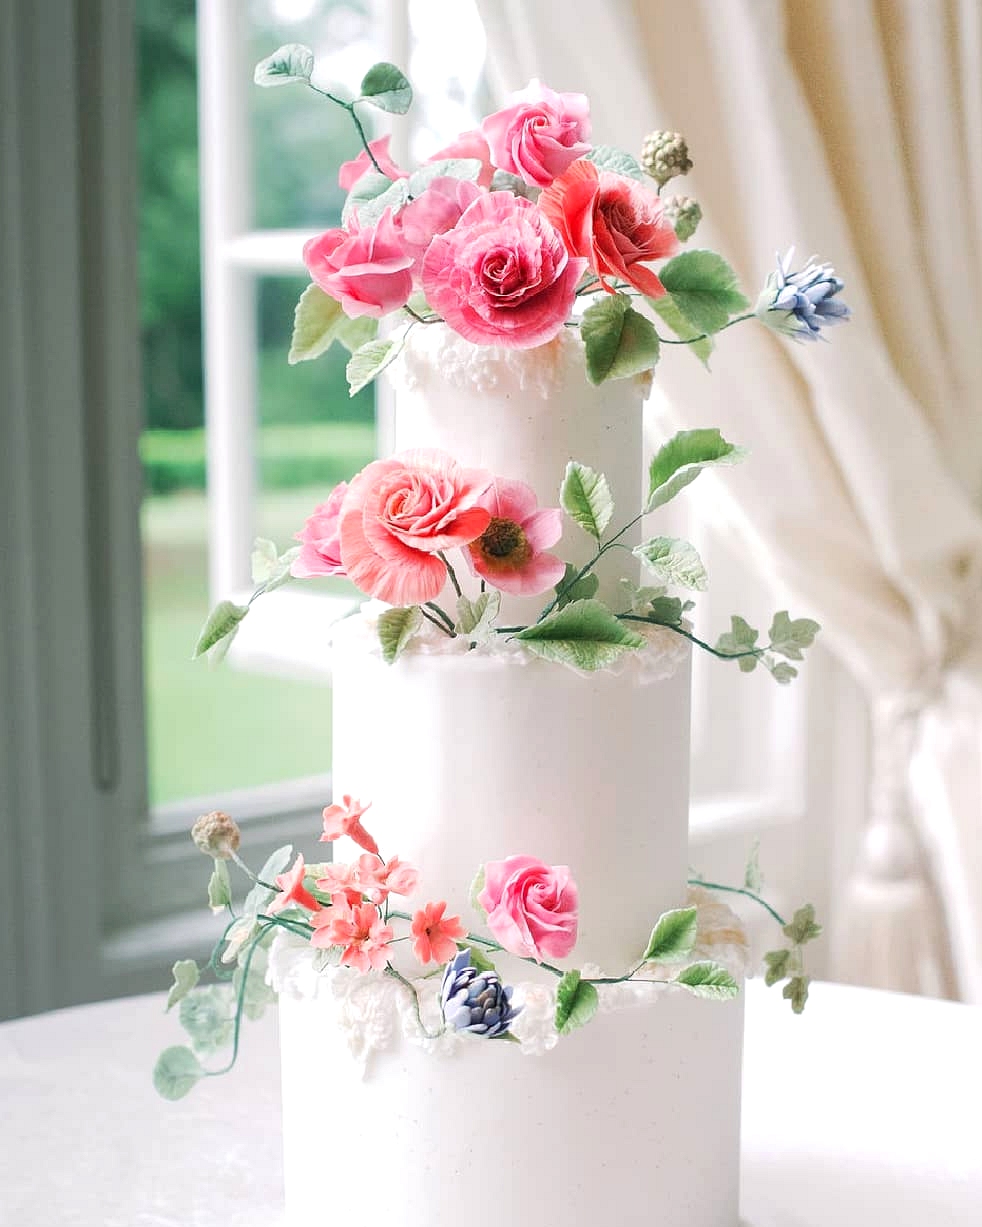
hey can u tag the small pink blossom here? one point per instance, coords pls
(292, 889)
(365, 269)
(435, 211)
(350, 172)
(394, 877)
(399, 513)
(502, 275)
(435, 935)
(345, 882)
(539, 133)
(320, 551)
(531, 907)
(509, 553)
(344, 818)
(359, 930)
(469, 145)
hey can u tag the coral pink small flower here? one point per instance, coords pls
(365, 268)
(344, 818)
(469, 145)
(399, 513)
(346, 883)
(350, 172)
(509, 553)
(359, 930)
(539, 133)
(435, 935)
(616, 222)
(383, 878)
(320, 550)
(531, 907)
(435, 211)
(292, 889)
(502, 275)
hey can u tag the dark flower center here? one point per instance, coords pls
(502, 538)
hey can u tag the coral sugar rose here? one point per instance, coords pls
(531, 907)
(399, 513)
(502, 275)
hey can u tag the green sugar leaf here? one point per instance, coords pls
(289, 63)
(367, 362)
(185, 973)
(584, 588)
(606, 157)
(315, 325)
(777, 963)
(704, 288)
(668, 310)
(479, 959)
(257, 995)
(666, 610)
(618, 340)
(476, 887)
(751, 875)
(741, 637)
(386, 87)
(796, 991)
(779, 670)
(354, 333)
(372, 195)
(803, 927)
(223, 621)
(475, 619)
(452, 168)
(504, 181)
(585, 496)
(673, 936)
(219, 887)
(176, 1072)
(576, 1002)
(208, 1016)
(680, 461)
(790, 638)
(584, 635)
(708, 979)
(395, 629)
(264, 558)
(673, 561)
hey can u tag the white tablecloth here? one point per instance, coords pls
(867, 1110)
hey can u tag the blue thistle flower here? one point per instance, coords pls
(475, 1001)
(800, 304)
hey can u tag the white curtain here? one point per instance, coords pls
(853, 129)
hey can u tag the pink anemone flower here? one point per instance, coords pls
(509, 554)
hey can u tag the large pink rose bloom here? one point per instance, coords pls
(616, 222)
(502, 275)
(399, 513)
(435, 211)
(320, 550)
(509, 553)
(350, 172)
(365, 269)
(539, 133)
(531, 907)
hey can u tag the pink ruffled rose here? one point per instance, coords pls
(616, 222)
(531, 907)
(366, 269)
(539, 133)
(502, 275)
(399, 513)
(469, 145)
(435, 211)
(350, 172)
(509, 553)
(320, 538)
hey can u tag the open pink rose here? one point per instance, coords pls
(616, 222)
(509, 553)
(469, 145)
(399, 513)
(531, 907)
(435, 211)
(539, 133)
(365, 269)
(350, 172)
(502, 275)
(320, 551)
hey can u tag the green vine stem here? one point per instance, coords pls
(739, 890)
(588, 567)
(240, 1000)
(350, 108)
(701, 643)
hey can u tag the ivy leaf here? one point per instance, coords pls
(354, 333)
(673, 561)
(255, 902)
(796, 991)
(386, 87)
(666, 610)
(176, 1072)
(741, 637)
(583, 634)
(668, 309)
(315, 324)
(708, 980)
(371, 195)
(219, 887)
(576, 1002)
(780, 670)
(476, 887)
(803, 927)
(640, 598)
(673, 936)
(584, 588)
(258, 995)
(585, 496)
(680, 461)
(367, 362)
(777, 962)
(751, 874)
(452, 168)
(289, 63)
(395, 629)
(704, 288)
(789, 638)
(479, 960)
(185, 973)
(618, 340)
(475, 619)
(606, 157)
(208, 1016)
(223, 621)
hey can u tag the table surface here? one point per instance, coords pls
(865, 1110)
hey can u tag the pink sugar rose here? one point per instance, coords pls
(360, 930)
(350, 172)
(469, 145)
(435, 211)
(502, 275)
(435, 935)
(365, 269)
(531, 907)
(344, 818)
(509, 553)
(399, 513)
(616, 222)
(539, 133)
(292, 889)
(320, 551)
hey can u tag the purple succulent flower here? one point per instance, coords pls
(800, 304)
(475, 1001)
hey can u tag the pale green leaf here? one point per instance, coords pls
(803, 927)
(673, 561)
(607, 157)
(666, 610)
(475, 619)
(281, 572)
(640, 598)
(576, 1002)
(780, 670)
(446, 168)
(222, 621)
(208, 1016)
(387, 88)
(315, 325)
(365, 363)
(704, 288)
(708, 979)
(751, 874)
(176, 1072)
(479, 958)
(680, 461)
(618, 341)
(585, 496)
(258, 995)
(789, 638)
(395, 629)
(668, 310)
(777, 963)
(354, 333)
(371, 196)
(673, 936)
(219, 887)
(796, 991)
(584, 587)
(504, 181)
(264, 556)
(584, 635)
(741, 637)
(477, 886)
(289, 63)
(185, 973)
